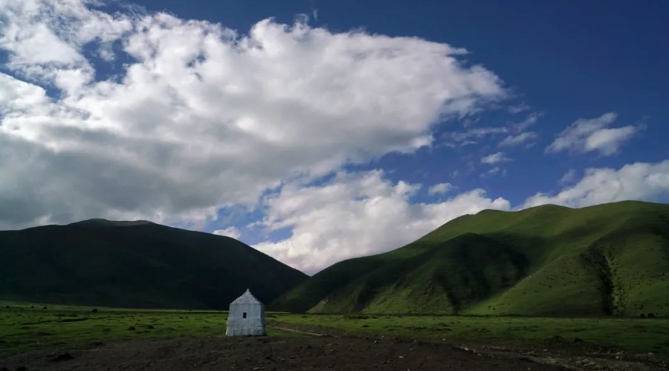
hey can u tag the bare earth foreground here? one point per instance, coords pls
(293, 353)
(308, 353)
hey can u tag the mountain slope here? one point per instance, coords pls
(135, 264)
(548, 260)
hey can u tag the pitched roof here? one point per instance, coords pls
(246, 298)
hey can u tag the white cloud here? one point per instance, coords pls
(202, 116)
(440, 188)
(607, 141)
(517, 140)
(531, 120)
(43, 38)
(568, 177)
(522, 107)
(362, 213)
(588, 135)
(356, 215)
(474, 135)
(230, 232)
(494, 171)
(495, 158)
(638, 181)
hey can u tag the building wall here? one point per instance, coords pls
(252, 325)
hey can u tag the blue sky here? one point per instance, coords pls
(570, 108)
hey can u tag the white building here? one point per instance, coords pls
(246, 316)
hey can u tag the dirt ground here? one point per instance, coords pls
(305, 353)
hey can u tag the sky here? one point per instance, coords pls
(317, 131)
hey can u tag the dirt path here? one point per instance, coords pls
(297, 331)
(255, 354)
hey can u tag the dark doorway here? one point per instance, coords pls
(244, 315)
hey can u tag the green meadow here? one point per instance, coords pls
(31, 326)
(618, 334)
(27, 326)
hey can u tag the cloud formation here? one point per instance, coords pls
(638, 181)
(355, 215)
(495, 158)
(440, 188)
(359, 214)
(527, 137)
(474, 135)
(589, 135)
(148, 116)
(169, 119)
(568, 177)
(518, 108)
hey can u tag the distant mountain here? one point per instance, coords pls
(610, 259)
(135, 264)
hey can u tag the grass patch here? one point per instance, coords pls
(29, 326)
(636, 335)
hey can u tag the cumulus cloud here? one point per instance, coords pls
(495, 158)
(357, 214)
(202, 116)
(588, 135)
(440, 188)
(229, 232)
(638, 181)
(197, 116)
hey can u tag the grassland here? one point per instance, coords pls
(31, 326)
(36, 326)
(635, 335)
(609, 259)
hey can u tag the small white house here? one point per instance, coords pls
(246, 316)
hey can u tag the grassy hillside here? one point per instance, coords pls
(135, 264)
(610, 259)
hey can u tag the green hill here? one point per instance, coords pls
(610, 259)
(135, 264)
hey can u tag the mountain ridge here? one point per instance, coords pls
(607, 259)
(579, 261)
(135, 264)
